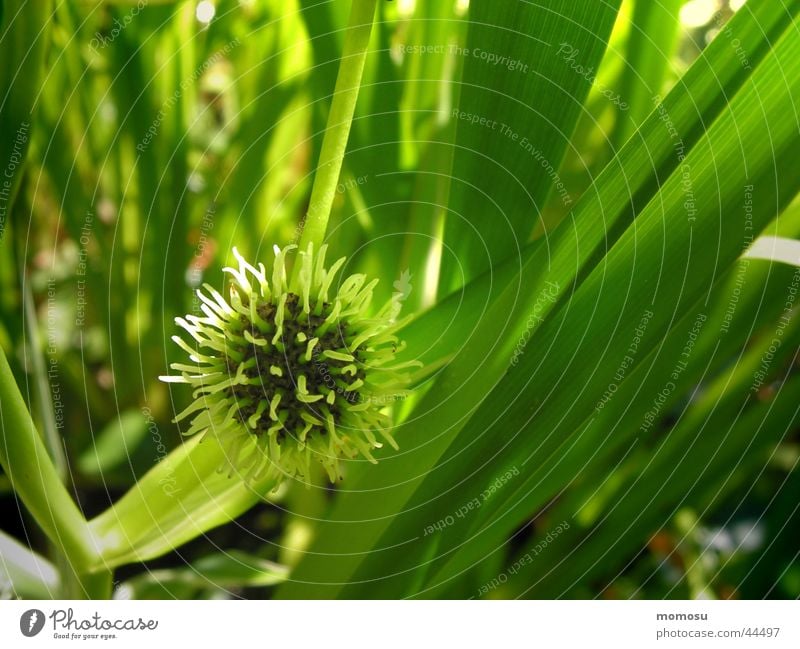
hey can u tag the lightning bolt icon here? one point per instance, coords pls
(32, 620)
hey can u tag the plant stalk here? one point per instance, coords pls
(340, 118)
(35, 479)
(179, 499)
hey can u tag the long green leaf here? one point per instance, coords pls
(619, 193)
(560, 380)
(526, 74)
(34, 477)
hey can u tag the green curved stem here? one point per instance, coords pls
(35, 479)
(337, 132)
(179, 499)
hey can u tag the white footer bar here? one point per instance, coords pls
(356, 624)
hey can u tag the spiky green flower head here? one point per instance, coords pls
(289, 373)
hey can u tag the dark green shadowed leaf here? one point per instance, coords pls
(696, 465)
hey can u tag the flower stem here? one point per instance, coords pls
(85, 585)
(179, 499)
(334, 143)
(35, 479)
